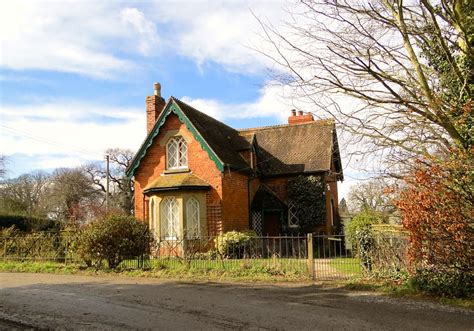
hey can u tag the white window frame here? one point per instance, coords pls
(179, 155)
(193, 226)
(169, 220)
(292, 219)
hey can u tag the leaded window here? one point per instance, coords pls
(152, 214)
(193, 225)
(177, 153)
(257, 222)
(293, 221)
(169, 218)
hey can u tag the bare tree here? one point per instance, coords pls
(374, 195)
(121, 191)
(72, 196)
(25, 194)
(398, 75)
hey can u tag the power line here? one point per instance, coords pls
(51, 142)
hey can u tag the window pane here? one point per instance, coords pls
(183, 153)
(177, 153)
(192, 218)
(172, 151)
(257, 222)
(169, 218)
(152, 214)
(292, 219)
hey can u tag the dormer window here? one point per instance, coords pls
(177, 153)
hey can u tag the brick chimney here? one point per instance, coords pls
(154, 105)
(299, 117)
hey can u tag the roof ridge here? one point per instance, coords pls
(322, 122)
(195, 109)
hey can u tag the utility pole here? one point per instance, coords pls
(107, 186)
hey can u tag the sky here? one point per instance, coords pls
(74, 74)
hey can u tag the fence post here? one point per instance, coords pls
(310, 255)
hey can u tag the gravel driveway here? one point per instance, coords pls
(83, 302)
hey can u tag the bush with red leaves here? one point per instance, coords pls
(437, 207)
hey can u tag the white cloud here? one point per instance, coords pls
(218, 32)
(75, 37)
(94, 38)
(68, 133)
(146, 30)
(270, 103)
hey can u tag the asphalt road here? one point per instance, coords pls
(81, 302)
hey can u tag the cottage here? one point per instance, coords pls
(195, 176)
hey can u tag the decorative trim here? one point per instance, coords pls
(171, 107)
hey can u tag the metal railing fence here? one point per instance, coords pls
(319, 256)
(39, 246)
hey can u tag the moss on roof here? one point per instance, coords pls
(291, 149)
(179, 181)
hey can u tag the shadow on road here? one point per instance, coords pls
(79, 301)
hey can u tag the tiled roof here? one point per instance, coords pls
(291, 149)
(176, 181)
(224, 140)
(281, 149)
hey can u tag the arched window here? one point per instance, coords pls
(193, 225)
(176, 153)
(169, 218)
(152, 217)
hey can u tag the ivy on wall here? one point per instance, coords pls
(307, 194)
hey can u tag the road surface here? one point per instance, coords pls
(45, 301)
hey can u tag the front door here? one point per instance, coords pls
(272, 223)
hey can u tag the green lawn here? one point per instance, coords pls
(347, 265)
(174, 268)
(271, 266)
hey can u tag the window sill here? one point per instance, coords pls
(176, 171)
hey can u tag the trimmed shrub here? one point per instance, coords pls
(234, 244)
(28, 223)
(444, 282)
(114, 240)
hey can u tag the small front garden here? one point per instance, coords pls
(124, 246)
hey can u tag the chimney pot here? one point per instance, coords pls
(154, 106)
(300, 118)
(157, 89)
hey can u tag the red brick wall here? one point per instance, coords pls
(279, 185)
(331, 193)
(154, 163)
(154, 106)
(235, 206)
(253, 188)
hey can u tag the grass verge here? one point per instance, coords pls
(405, 290)
(39, 267)
(243, 272)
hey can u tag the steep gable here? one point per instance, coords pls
(220, 141)
(223, 139)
